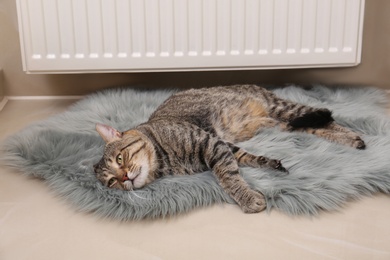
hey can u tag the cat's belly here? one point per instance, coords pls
(240, 120)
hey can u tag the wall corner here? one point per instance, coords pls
(3, 99)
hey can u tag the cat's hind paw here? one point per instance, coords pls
(358, 143)
(352, 140)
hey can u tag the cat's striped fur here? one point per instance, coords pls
(195, 130)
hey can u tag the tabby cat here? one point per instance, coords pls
(196, 130)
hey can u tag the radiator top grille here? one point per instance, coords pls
(63, 36)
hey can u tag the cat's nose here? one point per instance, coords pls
(125, 178)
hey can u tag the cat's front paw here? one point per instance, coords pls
(254, 202)
(277, 165)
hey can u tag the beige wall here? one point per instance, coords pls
(374, 69)
(1, 86)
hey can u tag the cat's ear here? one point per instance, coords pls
(108, 133)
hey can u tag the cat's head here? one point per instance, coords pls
(128, 159)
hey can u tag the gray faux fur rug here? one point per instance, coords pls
(323, 176)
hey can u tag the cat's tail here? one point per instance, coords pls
(297, 115)
(313, 117)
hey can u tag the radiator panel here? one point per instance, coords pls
(65, 36)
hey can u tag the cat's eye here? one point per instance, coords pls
(111, 182)
(119, 159)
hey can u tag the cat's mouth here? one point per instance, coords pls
(128, 183)
(135, 178)
(132, 175)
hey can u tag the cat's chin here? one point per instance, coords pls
(137, 183)
(128, 185)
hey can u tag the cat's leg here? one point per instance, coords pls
(246, 159)
(220, 159)
(294, 114)
(338, 134)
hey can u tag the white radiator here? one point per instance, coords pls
(66, 36)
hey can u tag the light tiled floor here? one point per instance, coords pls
(36, 224)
